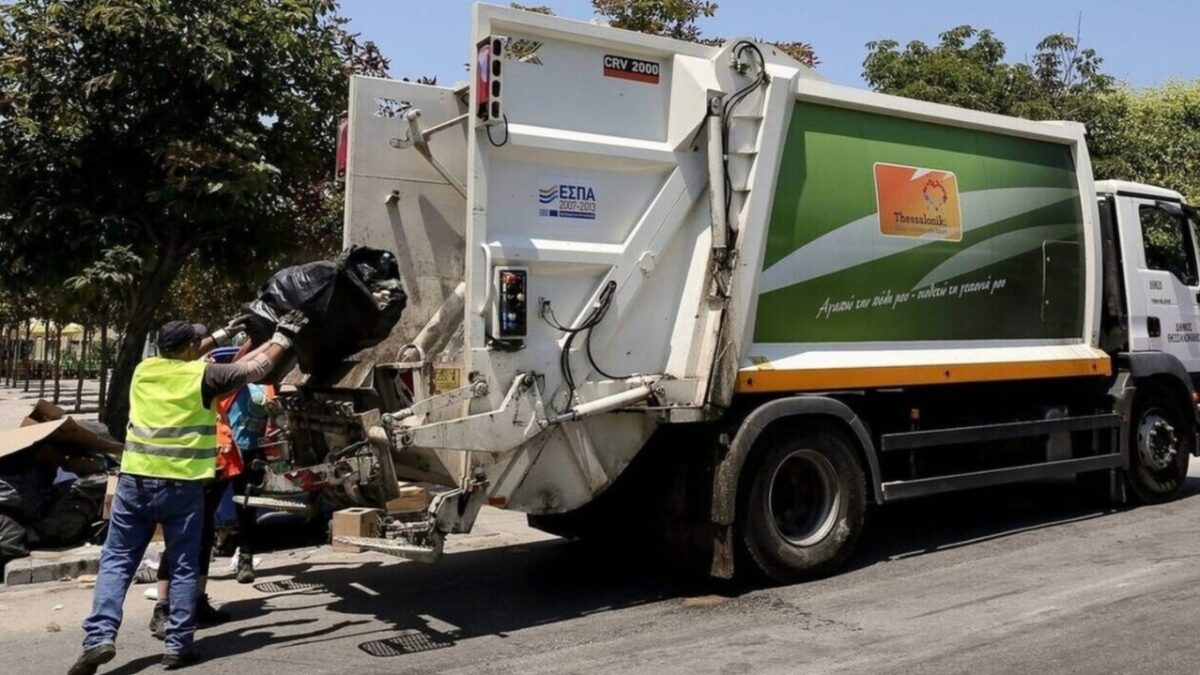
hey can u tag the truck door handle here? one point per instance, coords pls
(1153, 326)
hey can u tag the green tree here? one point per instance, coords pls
(105, 288)
(1160, 137)
(670, 18)
(176, 128)
(967, 68)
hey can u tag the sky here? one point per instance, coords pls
(1144, 43)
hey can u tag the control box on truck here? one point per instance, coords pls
(661, 283)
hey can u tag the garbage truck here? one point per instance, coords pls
(653, 282)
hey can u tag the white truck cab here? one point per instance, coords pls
(1153, 269)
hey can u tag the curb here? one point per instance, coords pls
(41, 567)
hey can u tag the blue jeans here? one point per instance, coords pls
(138, 506)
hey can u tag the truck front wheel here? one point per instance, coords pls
(804, 505)
(1161, 441)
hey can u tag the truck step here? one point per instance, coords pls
(984, 433)
(398, 548)
(921, 487)
(274, 504)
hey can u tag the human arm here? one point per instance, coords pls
(220, 378)
(222, 336)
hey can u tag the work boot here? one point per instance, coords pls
(207, 615)
(179, 660)
(245, 568)
(158, 620)
(92, 659)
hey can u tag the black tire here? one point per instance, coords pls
(804, 504)
(1152, 477)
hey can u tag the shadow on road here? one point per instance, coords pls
(412, 608)
(469, 594)
(920, 526)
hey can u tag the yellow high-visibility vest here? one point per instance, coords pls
(171, 434)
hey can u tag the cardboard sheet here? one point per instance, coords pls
(48, 423)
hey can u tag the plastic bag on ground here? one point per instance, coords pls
(351, 303)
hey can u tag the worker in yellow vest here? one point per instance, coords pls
(170, 452)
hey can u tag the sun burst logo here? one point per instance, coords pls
(935, 194)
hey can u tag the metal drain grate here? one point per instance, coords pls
(286, 585)
(411, 642)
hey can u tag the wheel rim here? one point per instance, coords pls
(1157, 443)
(804, 497)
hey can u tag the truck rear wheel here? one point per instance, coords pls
(804, 505)
(1160, 445)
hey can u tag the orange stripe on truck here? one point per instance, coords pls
(759, 381)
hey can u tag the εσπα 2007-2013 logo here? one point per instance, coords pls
(916, 202)
(568, 199)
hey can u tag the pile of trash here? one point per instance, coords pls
(54, 476)
(352, 303)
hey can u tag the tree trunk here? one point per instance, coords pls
(45, 353)
(7, 356)
(146, 301)
(57, 362)
(14, 356)
(83, 350)
(103, 363)
(27, 347)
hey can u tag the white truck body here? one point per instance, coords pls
(576, 283)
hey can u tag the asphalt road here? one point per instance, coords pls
(1027, 579)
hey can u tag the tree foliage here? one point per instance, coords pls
(670, 18)
(967, 69)
(176, 128)
(1159, 139)
(1151, 136)
(676, 19)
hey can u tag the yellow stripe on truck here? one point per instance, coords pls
(759, 380)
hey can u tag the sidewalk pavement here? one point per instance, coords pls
(15, 402)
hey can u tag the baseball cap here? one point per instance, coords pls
(175, 335)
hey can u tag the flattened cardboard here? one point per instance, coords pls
(48, 423)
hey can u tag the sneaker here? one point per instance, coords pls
(245, 568)
(207, 615)
(92, 659)
(158, 620)
(179, 660)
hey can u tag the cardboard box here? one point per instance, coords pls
(412, 498)
(354, 522)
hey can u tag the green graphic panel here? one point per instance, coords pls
(1017, 272)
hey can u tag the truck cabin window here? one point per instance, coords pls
(1168, 243)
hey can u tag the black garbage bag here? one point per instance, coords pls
(12, 540)
(23, 492)
(75, 507)
(10, 499)
(352, 303)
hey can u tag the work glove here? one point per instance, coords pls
(289, 327)
(224, 336)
